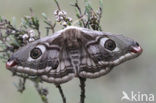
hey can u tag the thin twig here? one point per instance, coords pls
(100, 15)
(62, 94)
(31, 12)
(79, 9)
(99, 19)
(39, 33)
(37, 29)
(58, 6)
(51, 26)
(80, 16)
(42, 92)
(82, 86)
(22, 85)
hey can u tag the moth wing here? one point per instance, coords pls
(62, 70)
(93, 61)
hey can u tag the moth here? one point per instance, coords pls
(73, 52)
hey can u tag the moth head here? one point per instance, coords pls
(115, 49)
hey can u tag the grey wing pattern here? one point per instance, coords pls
(62, 70)
(92, 65)
(93, 59)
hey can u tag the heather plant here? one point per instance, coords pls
(13, 37)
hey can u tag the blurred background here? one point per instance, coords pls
(133, 18)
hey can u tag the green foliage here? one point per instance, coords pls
(89, 18)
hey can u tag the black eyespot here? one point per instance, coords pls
(110, 45)
(35, 53)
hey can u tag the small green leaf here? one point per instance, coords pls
(14, 21)
(88, 8)
(44, 15)
(101, 4)
(1, 19)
